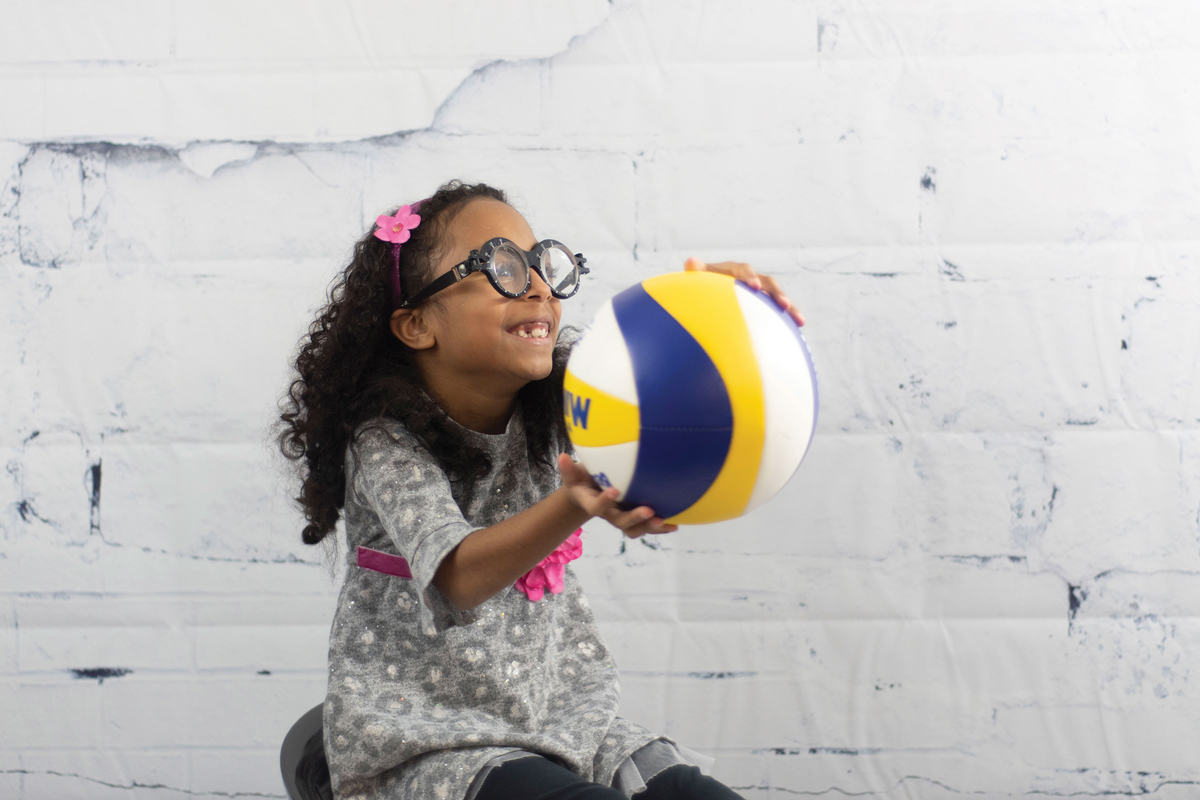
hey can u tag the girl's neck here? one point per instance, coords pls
(463, 402)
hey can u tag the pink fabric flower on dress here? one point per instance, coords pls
(396, 229)
(549, 573)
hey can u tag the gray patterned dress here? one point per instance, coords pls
(423, 695)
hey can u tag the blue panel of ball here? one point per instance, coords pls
(683, 445)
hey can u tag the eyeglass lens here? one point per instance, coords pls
(508, 265)
(512, 273)
(559, 268)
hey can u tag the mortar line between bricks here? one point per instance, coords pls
(1136, 791)
(68, 594)
(209, 672)
(137, 784)
(177, 750)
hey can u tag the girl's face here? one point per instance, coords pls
(477, 330)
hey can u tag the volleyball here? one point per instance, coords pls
(693, 394)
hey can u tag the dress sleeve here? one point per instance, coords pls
(392, 475)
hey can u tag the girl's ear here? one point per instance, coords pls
(410, 327)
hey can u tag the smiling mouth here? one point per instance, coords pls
(531, 330)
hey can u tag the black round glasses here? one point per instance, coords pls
(509, 269)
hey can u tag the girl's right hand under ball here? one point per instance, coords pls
(598, 502)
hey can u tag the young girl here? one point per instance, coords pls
(464, 661)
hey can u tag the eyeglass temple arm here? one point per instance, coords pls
(452, 276)
(580, 260)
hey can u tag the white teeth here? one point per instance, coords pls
(538, 330)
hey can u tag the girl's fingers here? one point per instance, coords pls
(601, 504)
(626, 520)
(565, 464)
(574, 474)
(746, 274)
(639, 521)
(736, 269)
(772, 288)
(654, 525)
(589, 497)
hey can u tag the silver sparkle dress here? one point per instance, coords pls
(422, 695)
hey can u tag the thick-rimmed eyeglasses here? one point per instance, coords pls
(510, 269)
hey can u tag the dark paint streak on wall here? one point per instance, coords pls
(822, 26)
(983, 561)
(28, 513)
(705, 676)
(1075, 597)
(950, 270)
(94, 510)
(819, 751)
(716, 676)
(928, 180)
(100, 673)
(844, 751)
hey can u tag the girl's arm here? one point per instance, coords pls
(491, 559)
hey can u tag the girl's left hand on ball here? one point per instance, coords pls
(603, 503)
(746, 274)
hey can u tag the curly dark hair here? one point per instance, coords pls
(351, 369)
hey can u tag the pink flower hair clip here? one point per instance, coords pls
(397, 231)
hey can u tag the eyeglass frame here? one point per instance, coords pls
(479, 259)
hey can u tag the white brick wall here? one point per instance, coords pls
(305, 71)
(982, 582)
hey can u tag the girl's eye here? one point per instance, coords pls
(509, 269)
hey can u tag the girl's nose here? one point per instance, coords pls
(537, 286)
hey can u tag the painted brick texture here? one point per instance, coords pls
(985, 579)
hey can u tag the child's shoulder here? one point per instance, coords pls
(382, 435)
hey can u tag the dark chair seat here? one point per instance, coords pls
(302, 759)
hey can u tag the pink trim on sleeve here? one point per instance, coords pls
(386, 563)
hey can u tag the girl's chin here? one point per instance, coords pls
(537, 371)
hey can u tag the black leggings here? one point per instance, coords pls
(541, 779)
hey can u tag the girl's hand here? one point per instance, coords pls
(603, 503)
(746, 274)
